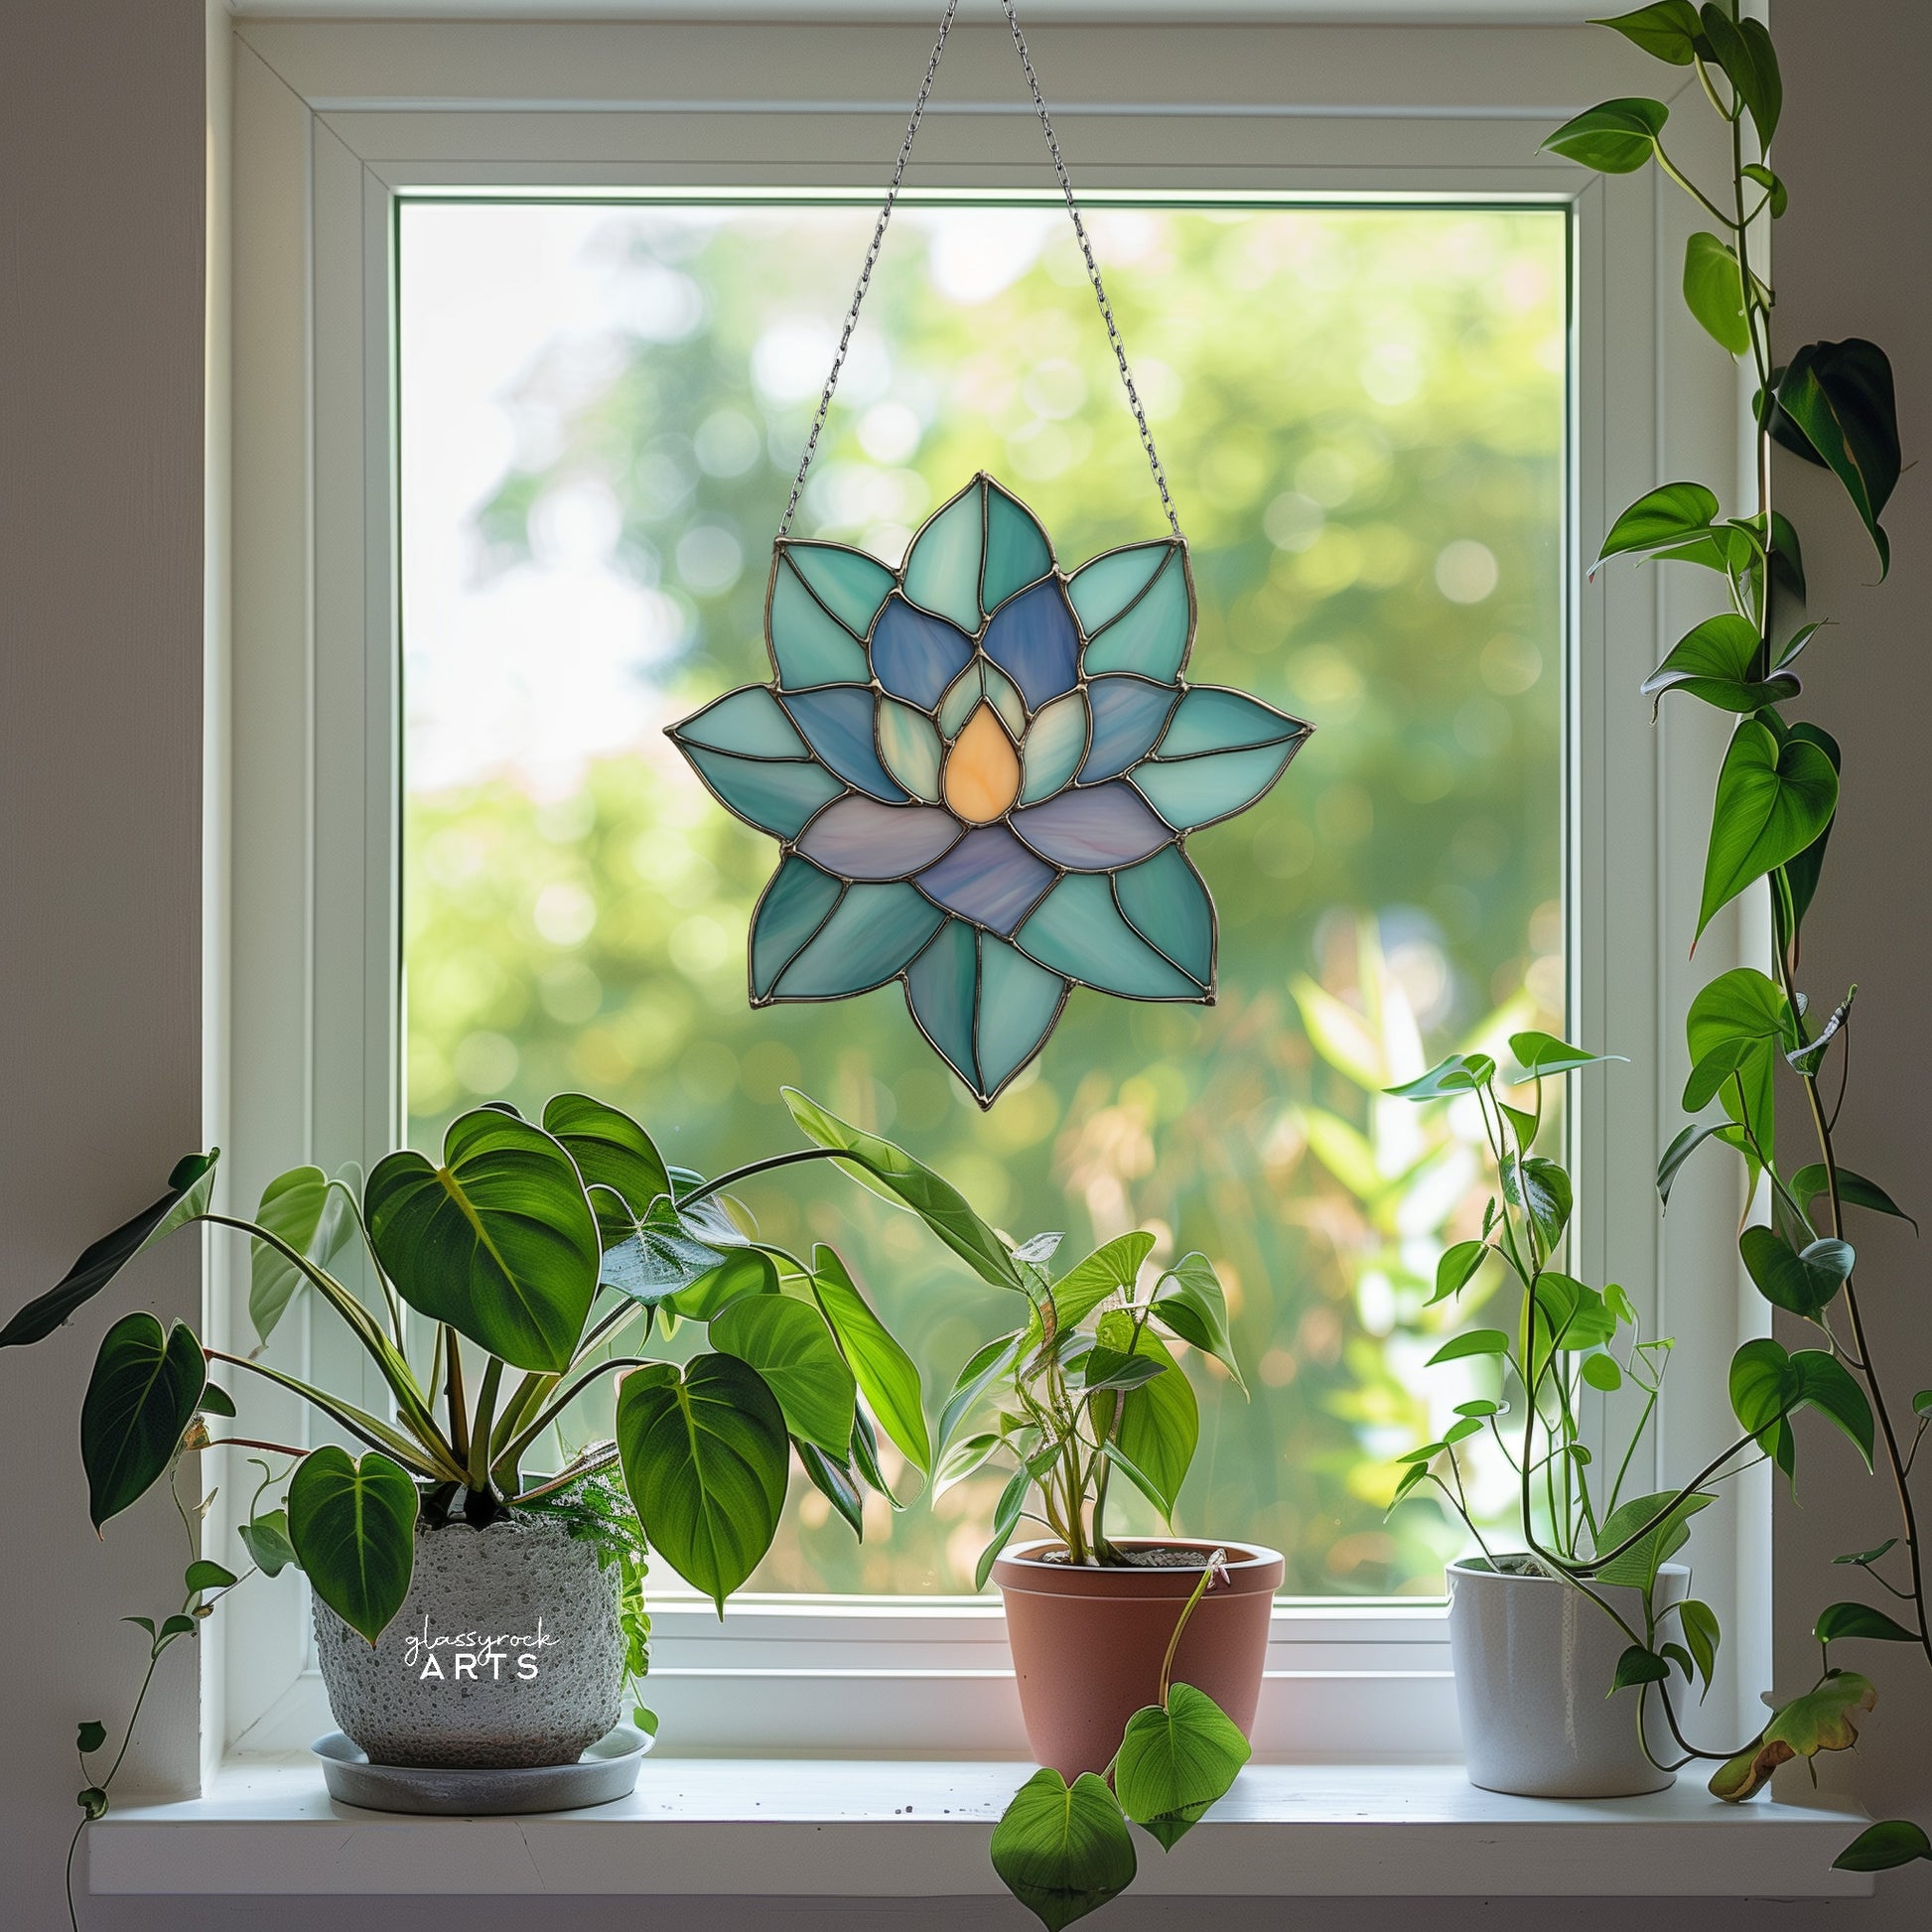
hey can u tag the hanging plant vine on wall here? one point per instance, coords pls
(982, 768)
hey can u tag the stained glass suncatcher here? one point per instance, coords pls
(982, 772)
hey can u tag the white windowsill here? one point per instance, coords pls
(855, 1828)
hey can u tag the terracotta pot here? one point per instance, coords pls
(1087, 1643)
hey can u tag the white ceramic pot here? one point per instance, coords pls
(506, 1652)
(1534, 1660)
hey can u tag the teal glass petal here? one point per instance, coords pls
(1004, 699)
(807, 645)
(943, 989)
(750, 723)
(1167, 906)
(795, 902)
(957, 705)
(1056, 743)
(872, 937)
(1196, 792)
(1017, 550)
(837, 721)
(1018, 1005)
(942, 565)
(859, 838)
(850, 584)
(1103, 589)
(1212, 719)
(777, 797)
(1127, 715)
(909, 748)
(1152, 635)
(1079, 931)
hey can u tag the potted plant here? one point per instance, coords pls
(470, 1611)
(1139, 1659)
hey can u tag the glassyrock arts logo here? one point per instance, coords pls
(475, 1656)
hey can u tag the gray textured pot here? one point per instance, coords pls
(1534, 1660)
(506, 1652)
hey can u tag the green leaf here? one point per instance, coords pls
(1675, 513)
(216, 1401)
(1702, 1635)
(1616, 137)
(963, 1459)
(743, 1272)
(1839, 398)
(888, 1377)
(1638, 1566)
(790, 1345)
(352, 1527)
(1861, 1621)
(499, 1241)
(140, 1399)
(1006, 1519)
(1107, 1368)
(1891, 1843)
(205, 1573)
(93, 1736)
(704, 1462)
(1160, 1423)
(835, 1481)
(1714, 662)
(1922, 1402)
(1571, 1316)
(1542, 1054)
(1546, 1196)
(1684, 1146)
(1743, 1006)
(1863, 1557)
(1767, 1385)
(1773, 801)
(94, 1801)
(1111, 1269)
(615, 1157)
(1668, 29)
(1714, 293)
(266, 1540)
(1138, 1477)
(1749, 62)
(982, 1368)
(1602, 1372)
(1827, 1385)
(1478, 1341)
(1854, 1190)
(1176, 1762)
(1765, 95)
(187, 1198)
(894, 1175)
(1457, 1268)
(1460, 1073)
(1063, 1852)
(1801, 1282)
(1190, 1299)
(1522, 1125)
(314, 1218)
(1639, 1666)
(662, 1258)
(176, 1626)
(1822, 1719)
(1779, 196)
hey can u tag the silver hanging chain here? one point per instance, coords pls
(879, 239)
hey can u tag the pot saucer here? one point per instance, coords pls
(607, 1770)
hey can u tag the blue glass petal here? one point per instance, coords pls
(859, 838)
(749, 722)
(942, 565)
(1212, 719)
(1152, 635)
(850, 584)
(873, 937)
(1092, 830)
(807, 645)
(942, 988)
(1017, 550)
(914, 656)
(776, 796)
(1033, 640)
(1019, 1004)
(988, 876)
(795, 904)
(1128, 714)
(837, 719)
(1167, 906)
(1196, 792)
(1103, 589)
(1079, 931)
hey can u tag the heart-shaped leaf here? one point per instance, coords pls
(1616, 137)
(1674, 514)
(1854, 1190)
(1111, 1269)
(1192, 1302)
(1667, 29)
(1457, 1268)
(1838, 399)
(1713, 291)
(1544, 1055)
(1714, 662)
(1176, 1762)
(743, 1272)
(1803, 1282)
(499, 1241)
(1478, 1341)
(1882, 1847)
(142, 1396)
(887, 1375)
(1773, 801)
(1064, 1850)
(1701, 1635)
(704, 1454)
(352, 1527)
(1822, 1719)
(1160, 1422)
(1638, 1666)
(1460, 1073)
(266, 1540)
(623, 1171)
(793, 1349)
(1861, 1621)
(1751, 61)
(315, 1216)
(1638, 1566)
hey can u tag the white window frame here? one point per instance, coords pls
(334, 120)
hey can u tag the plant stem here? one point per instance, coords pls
(458, 1409)
(1207, 1575)
(755, 1167)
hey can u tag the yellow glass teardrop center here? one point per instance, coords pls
(982, 775)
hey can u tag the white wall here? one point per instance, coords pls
(101, 655)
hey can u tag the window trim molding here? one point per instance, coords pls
(334, 120)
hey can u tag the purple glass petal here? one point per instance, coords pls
(836, 720)
(859, 838)
(1033, 640)
(1092, 830)
(914, 656)
(988, 877)
(1128, 714)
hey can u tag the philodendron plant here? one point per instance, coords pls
(1830, 404)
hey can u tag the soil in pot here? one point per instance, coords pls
(1087, 1642)
(506, 1652)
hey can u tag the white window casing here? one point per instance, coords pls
(334, 120)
